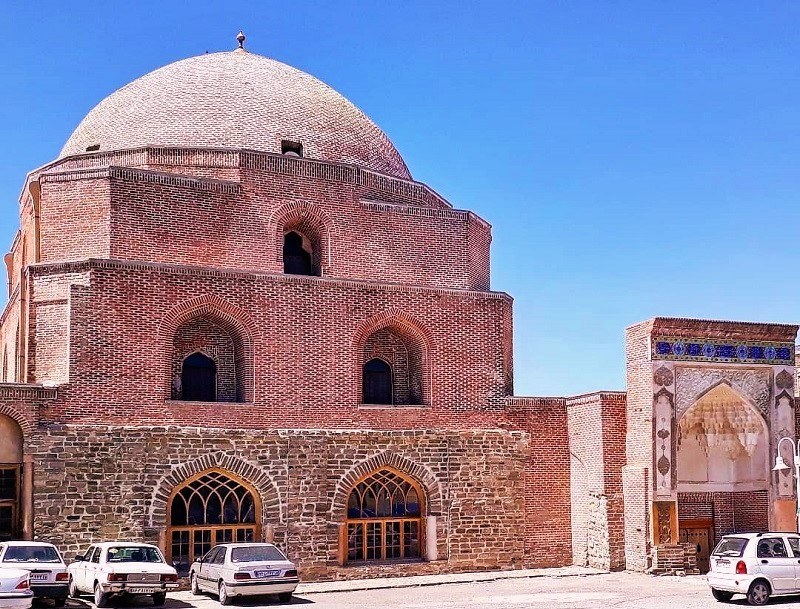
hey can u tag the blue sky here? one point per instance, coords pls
(634, 158)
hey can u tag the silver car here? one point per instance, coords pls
(244, 569)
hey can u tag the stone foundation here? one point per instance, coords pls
(674, 559)
(96, 483)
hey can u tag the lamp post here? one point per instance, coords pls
(780, 465)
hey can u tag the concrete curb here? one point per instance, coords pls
(413, 581)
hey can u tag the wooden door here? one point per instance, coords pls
(702, 537)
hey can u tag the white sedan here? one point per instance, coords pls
(244, 569)
(121, 568)
(48, 571)
(15, 589)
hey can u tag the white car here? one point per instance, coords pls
(48, 572)
(15, 589)
(758, 565)
(244, 569)
(121, 568)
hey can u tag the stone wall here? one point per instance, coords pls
(94, 483)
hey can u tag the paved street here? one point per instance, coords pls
(620, 590)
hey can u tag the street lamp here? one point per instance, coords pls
(780, 465)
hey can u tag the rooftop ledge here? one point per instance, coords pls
(187, 269)
(241, 158)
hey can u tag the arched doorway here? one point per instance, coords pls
(210, 508)
(10, 478)
(722, 470)
(384, 518)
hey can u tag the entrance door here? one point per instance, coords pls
(9, 501)
(700, 534)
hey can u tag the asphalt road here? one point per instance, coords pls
(618, 590)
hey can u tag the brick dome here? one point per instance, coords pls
(236, 100)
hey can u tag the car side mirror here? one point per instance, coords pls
(79, 558)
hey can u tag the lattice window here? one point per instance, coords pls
(209, 509)
(384, 518)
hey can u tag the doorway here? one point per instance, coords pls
(700, 533)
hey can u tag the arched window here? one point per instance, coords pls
(199, 378)
(377, 382)
(297, 255)
(209, 509)
(384, 518)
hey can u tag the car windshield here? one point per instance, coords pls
(730, 546)
(31, 554)
(133, 554)
(256, 554)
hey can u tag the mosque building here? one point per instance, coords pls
(234, 315)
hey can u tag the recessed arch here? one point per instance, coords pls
(227, 316)
(260, 479)
(406, 345)
(313, 224)
(11, 458)
(722, 442)
(392, 460)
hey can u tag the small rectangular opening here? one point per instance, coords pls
(290, 148)
(93, 147)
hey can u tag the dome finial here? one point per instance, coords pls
(240, 38)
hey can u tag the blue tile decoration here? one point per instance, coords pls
(708, 350)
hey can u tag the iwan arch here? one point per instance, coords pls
(226, 321)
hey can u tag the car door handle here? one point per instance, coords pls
(764, 562)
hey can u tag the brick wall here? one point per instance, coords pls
(548, 530)
(300, 334)
(137, 214)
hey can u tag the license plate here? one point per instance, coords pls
(270, 573)
(38, 577)
(142, 590)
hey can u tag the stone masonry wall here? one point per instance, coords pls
(93, 483)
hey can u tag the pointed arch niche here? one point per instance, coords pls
(723, 444)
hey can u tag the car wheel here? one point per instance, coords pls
(224, 599)
(721, 595)
(759, 593)
(195, 586)
(285, 597)
(100, 597)
(159, 598)
(73, 589)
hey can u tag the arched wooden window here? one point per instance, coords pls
(199, 378)
(377, 382)
(384, 518)
(209, 509)
(297, 255)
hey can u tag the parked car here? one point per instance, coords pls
(121, 568)
(15, 589)
(48, 572)
(758, 565)
(244, 569)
